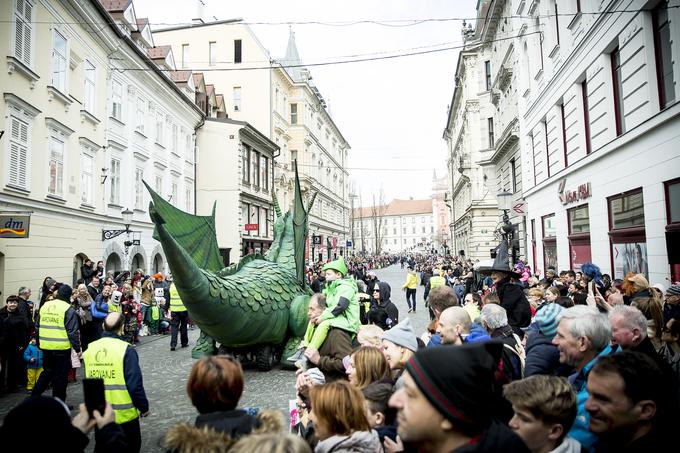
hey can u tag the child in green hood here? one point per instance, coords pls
(342, 309)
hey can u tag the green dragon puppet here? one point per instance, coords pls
(256, 309)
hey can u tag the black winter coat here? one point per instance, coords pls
(15, 330)
(543, 357)
(516, 305)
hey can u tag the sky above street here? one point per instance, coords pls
(391, 111)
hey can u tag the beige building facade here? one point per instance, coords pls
(73, 156)
(278, 99)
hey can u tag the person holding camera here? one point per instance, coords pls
(111, 359)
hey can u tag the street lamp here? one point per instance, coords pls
(127, 220)
(507, 229)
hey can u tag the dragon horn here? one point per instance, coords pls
(311, 201)
(277, 208)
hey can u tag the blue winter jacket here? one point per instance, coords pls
(579, 430)
(102, 311)
(32, 351)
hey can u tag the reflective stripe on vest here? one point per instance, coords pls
(104, 359)
(437, 281)
(176, 303)
(52, 331)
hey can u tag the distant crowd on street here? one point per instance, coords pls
(511, 361)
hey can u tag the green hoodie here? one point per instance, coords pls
(349, 319)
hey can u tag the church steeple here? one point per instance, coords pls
(291, 61)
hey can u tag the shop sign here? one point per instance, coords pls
(14, 226)
(252, 226)
(348, 244)
(582, 192)
(316, 239)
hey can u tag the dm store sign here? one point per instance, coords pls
(14, 226)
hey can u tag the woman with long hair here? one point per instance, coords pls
(83, 302)
(339, 417)
(653, 311)
(367, 365)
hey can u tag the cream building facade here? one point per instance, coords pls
(281, 102)
(72, 155)
(243, 192)
(499, 33)
(598, 129)
(401, 226)
(474, 213)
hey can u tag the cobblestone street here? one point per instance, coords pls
(166, 372)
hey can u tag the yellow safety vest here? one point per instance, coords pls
(52, 331)
(113, 308)
(104, 359)
(176, 303)
(437, 280)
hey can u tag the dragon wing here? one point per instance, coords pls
(196, 234)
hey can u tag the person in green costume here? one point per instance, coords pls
(342, 312)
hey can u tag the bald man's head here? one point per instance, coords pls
(113, 322)
(454, 324)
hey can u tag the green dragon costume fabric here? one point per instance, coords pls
(258, 305)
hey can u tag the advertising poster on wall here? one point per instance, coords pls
(630, 257)
(580, 253)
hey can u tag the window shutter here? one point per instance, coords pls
(19, 39)
(28, 13)
(18, 155)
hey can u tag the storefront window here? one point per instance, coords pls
(579, 237)
(627, 211)
(673, 201)
(549, 243)
(549, 229)
(627, 234)
(579, 221)
(673, 227)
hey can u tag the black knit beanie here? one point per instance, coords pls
(458, 380)
(64, 292)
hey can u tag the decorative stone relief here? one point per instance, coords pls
(630, 31)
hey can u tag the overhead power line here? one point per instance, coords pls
(328, 63)
(351, 23)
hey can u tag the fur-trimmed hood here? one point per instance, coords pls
(218, 431)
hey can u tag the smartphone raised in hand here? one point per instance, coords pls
(93, 389)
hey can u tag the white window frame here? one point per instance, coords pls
(56, 157)
(174, 138)
(60, 83)
(185, 56)
(21, 141)
(90, 90)
(188, 155)
(87, 177)
(141, 115)
(159, 128)
(159, 183)
(237, 99)
(21, 25)
(174, 190)
(189, 195)
(212, 53)
(114, 177)
(139, 188)
(116, 100)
